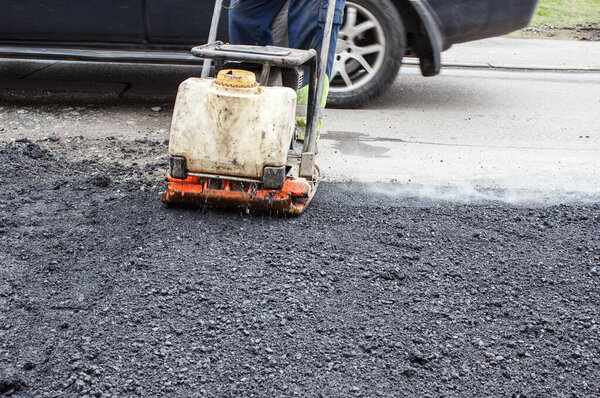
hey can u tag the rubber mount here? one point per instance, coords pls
(273, 177)
(177, 167)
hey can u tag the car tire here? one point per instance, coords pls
(369, 53)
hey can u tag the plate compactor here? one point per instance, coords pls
(233, 141)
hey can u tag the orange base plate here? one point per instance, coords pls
(293, 197)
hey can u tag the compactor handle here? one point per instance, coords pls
(314, 98)
(212, 34)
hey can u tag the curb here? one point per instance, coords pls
(467, 65)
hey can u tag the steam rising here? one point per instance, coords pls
(576, 191)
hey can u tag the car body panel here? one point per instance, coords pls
(168, 25)
(181, 21)
(73, 20)
(468, 20)
(186, 22)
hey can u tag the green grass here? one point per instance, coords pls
(566, 13)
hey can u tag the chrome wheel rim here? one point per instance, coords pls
(360, 50)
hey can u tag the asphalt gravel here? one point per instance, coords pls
(105, 292)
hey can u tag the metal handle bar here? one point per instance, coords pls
(314, 100)
(212, 34)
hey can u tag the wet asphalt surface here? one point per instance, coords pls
(104, 291)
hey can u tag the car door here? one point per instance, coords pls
(182, 21)
(73, 20)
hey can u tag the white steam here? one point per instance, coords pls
(523, 191)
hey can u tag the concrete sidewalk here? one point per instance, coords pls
(504, 53)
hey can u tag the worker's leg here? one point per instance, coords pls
(250, 21)
(306, 24)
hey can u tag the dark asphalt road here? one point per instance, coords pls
(105, 292)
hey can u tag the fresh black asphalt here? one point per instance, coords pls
(105, 292)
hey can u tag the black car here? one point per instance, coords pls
(375, 36)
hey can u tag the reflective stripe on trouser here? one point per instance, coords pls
(302, 108)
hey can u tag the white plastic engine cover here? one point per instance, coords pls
(232, 131)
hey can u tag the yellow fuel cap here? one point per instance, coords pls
(237, 78)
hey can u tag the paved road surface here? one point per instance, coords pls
(381, 289)
(474, 128)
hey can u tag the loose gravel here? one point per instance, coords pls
(105, 292)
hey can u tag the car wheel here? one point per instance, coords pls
(369, 52)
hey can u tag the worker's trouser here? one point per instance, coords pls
(250, 23)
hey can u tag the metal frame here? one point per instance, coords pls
(212, 34)
(221, 177)
(284, 57)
